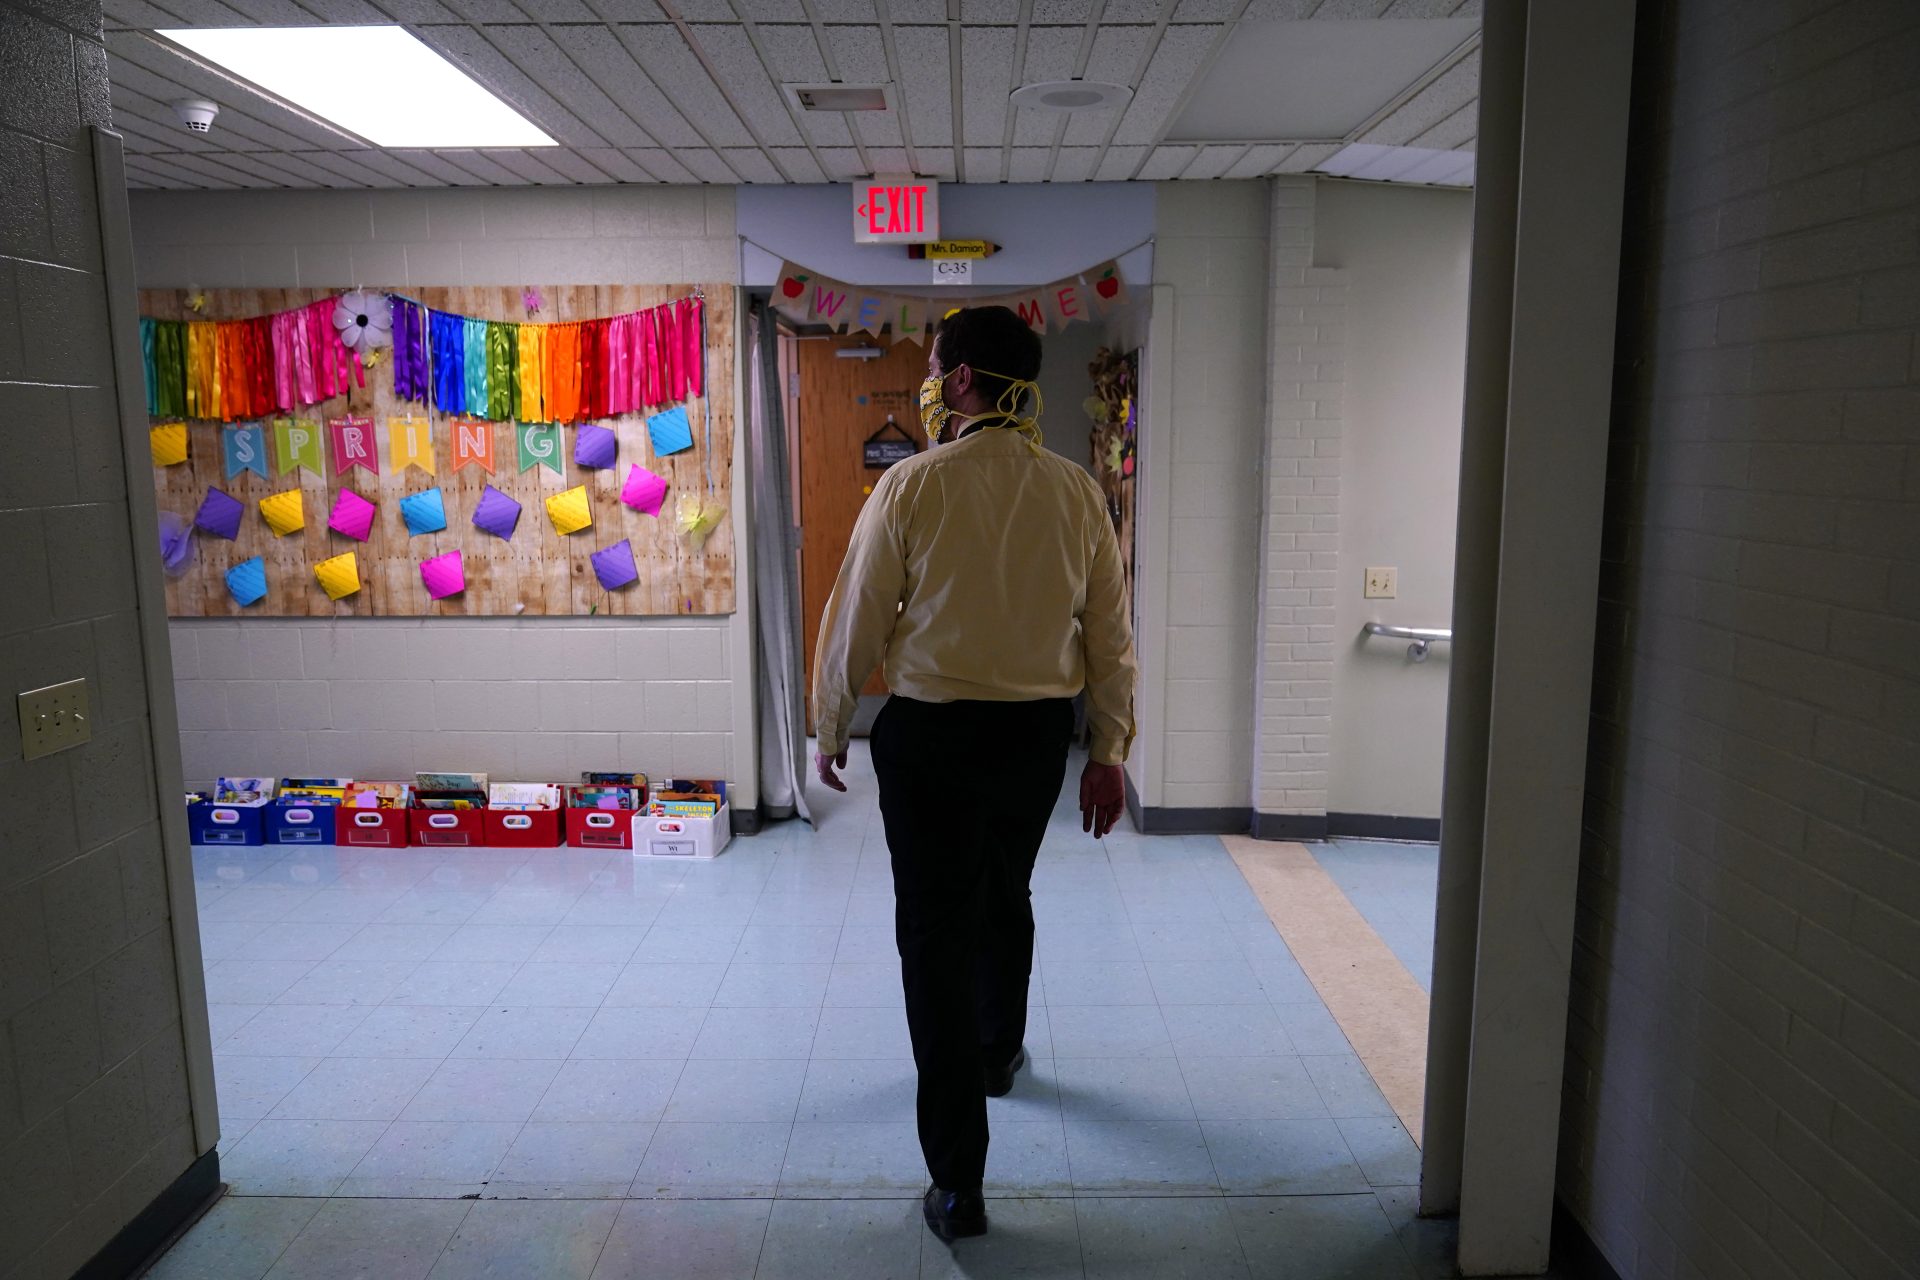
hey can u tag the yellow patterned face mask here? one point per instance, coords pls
(936, 413)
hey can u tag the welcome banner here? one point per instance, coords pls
(807, 297)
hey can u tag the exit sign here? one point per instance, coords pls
(895, 209)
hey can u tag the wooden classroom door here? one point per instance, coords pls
(842, 402)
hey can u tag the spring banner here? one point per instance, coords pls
(807, 297)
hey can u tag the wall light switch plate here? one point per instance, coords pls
(54, 718)
(1382, 583)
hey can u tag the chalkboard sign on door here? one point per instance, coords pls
(880, 451)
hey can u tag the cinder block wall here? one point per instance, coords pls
(372, 696)
(1743, 1078)
(94, 1112)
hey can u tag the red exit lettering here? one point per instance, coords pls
(897, 210)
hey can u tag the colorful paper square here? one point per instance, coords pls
(444, 575)
(284, 513)
(219, 514)
(594, 446)
(644, 491)
(424, 512)
(496, 513)
(169, 443)
(670, 431)
(352, 515)
(247, 582)
(614, 565)
(339, 576)
(569, 511)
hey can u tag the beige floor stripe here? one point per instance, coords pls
(1366, 988)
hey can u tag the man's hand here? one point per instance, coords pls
(1103, 797)
(824, 764)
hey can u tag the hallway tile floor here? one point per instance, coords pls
(576, 1064)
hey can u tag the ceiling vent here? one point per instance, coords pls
(1071, 95)
(840, 97)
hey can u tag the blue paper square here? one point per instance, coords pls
(424, 512)
(670, 431)
(247, 582)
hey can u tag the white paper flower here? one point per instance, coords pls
(364, 319)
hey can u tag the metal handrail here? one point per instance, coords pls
(1422, 637)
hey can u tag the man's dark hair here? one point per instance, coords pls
(989, 340)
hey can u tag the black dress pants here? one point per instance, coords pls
(966, 789)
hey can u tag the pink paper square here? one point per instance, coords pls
(352, 515)
(644, 491)
(444, 575)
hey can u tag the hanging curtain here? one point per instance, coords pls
(776, 594)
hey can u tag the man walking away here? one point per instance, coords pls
(985, 575)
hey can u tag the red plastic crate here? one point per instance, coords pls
(524, 828)
(371, 828)
(600, 828)
(447, 827)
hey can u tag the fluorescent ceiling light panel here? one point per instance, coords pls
(381, 83)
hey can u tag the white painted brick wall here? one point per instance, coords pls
(1210, 246)
(94, 1111)
(534, 697)
(1743, 1079)
(1299, 539)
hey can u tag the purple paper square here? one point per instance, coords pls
(496, 513)
(352, 515)
(614, 565)
(594, 446)
(220, 514)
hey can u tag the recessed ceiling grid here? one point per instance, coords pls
(689, 91)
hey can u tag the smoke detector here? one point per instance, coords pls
(1071, 95)
(197, 114)
(840, 97)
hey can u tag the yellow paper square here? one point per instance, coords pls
(339, 576)
(169, 443)
(569, 511)
(284, 513)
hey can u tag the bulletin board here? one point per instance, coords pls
(538, 571)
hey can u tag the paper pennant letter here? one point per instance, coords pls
(790, 291)
(424, 512)
(444, 575)
(219, 514)
(1064, 304)
(1108, 287)
(169, 444)
(569, 511)
(1032, 310)
(496, 513)
(670, 431)
(644, 491)
(871, 315)
(284, 513)
(540, 446)
(353, 445)
(339, 576)
(247, 582)
(594, 446)
(829, 300)
(352, 515)
(245, 448)
(473, 442)
(614, 565)
(298, 441)
(411, 443)
(908, 319)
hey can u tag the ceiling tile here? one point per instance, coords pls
(983, 164)
(487, 166)
(1348, 10)
(1304, 159)
(1075, 164)
(1175, 62)
(889, 160)
(859, 54)
(147, 176)
(1118, 164)
(703, 11)
(916, 10)
(1456, 130)
(708, 166)
(986, 74)
(548, 66)
(798, 164)
(771, 10)
(398, 10)
(1257, 161)
(1061, 11)
(468, 49)
(1213, 162)
(604, 58)
(577, 11)
(207, 13)
(529, 165)
(752, 164)
(1051, 53)
(439, 167)
(1278, 10)
(793, 54)
(661, 164)
(616, 164)
(1204, 10)
(1453, 89)
(1131, 11)
(136, 13)
(936, 162)
(665, 57)
(163, 75)
(214, 171)
(846, 10)
(1029, 164)
(286, 13)
(746, 78)
(926, 75)
(989, 11)
(574, 165)
(1166, 162)
(1421, 9)
(1115, 60)
(842, 163)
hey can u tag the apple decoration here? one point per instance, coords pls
(793, 285)
(1108, 285)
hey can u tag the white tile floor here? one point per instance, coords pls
(563, 1063)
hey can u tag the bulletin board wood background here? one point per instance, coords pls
(539, 571)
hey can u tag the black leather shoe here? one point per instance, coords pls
(953, 1214)
(1000, 1083)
